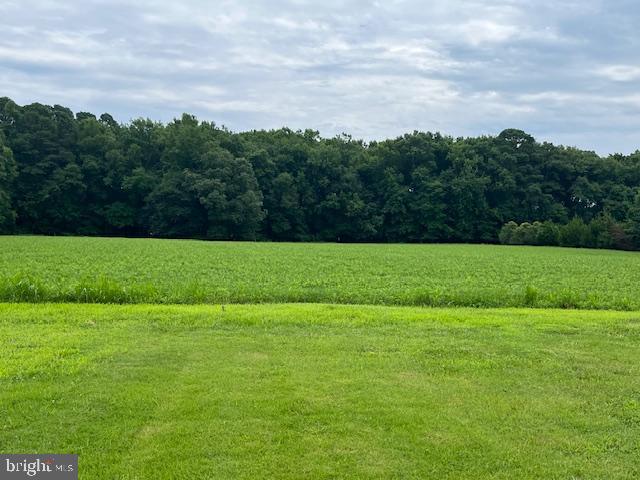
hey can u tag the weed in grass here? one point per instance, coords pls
(23, 288)
(100, 290)
(531, 296)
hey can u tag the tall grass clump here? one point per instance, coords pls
(531, 295)
(102, 290)
(23, 288)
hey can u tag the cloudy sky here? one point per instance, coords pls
(565, 71)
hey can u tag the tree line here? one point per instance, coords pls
(601, 232)
(78, 174)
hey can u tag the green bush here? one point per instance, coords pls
(601, 228)
(633, 225)
(602, 232)
(576, 233)
(548, 234)
(506, 232)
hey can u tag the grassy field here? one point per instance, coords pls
(321, 391)
(288, 389)
(109, 270)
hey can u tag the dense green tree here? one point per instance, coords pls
(634, 221)
(49, 187)
(601, 228)
(174, 209)
(227, 189)
(468, 213)
(548, 234)
(286, 215)
(8, 173)
(279, 159)
(576, 233)
(103, 167)
(338, 211)
(507, 233)
(62, 173)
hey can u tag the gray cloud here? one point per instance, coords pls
(567, 72)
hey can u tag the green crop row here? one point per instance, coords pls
(106, 270)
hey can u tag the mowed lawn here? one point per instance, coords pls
(117, 270)
(323, 391)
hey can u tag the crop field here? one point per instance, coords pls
(110, 270)
(179, 359)
(322, 391)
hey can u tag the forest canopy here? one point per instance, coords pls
(77, 174)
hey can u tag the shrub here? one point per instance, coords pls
(521, 234)
(535, 233)
(548, 234)
(602, 232)
(506, 232)
(576, 233)
(633, 226)
(621, 238)
(601, 227)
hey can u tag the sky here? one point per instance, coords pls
(564, 71)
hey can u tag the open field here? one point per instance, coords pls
(322, 391)
(111, 270)
(288, 389)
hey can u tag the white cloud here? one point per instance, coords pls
(478, 32)
(620, 73)
(374, 69)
